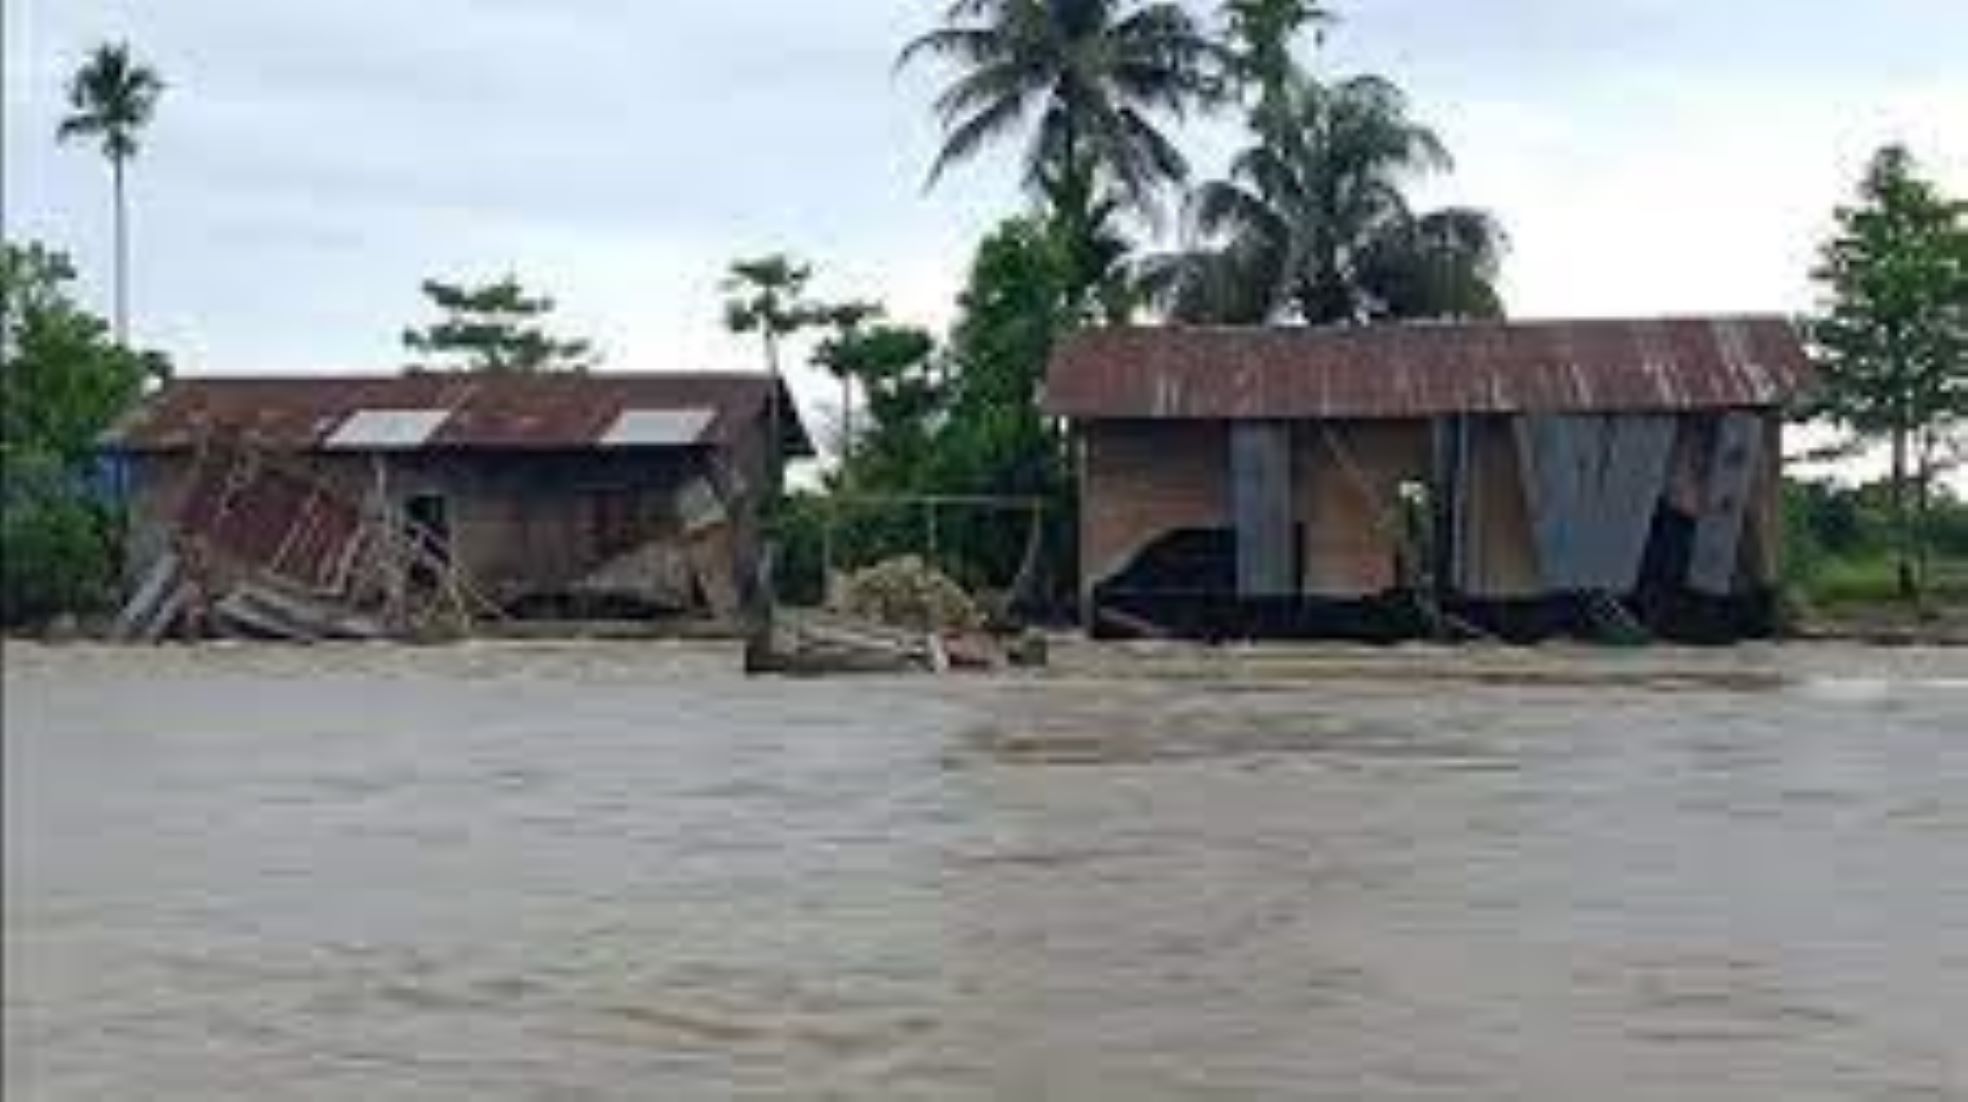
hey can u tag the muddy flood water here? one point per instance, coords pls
(622, 871)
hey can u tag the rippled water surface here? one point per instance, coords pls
(623, 871)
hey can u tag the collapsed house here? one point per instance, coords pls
(1508, 479)
(368, 506)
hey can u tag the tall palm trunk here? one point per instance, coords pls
(775, 455)
(847, 421)
(122, 254)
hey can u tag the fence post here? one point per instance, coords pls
(827, 551)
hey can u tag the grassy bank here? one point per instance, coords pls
(1858, 597)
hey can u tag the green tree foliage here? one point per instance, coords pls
(846, 354)
(1313, 224)
(1095, 81)
(1840, 544)
(494, 328)
(767, 295)
(1017, 302)
(965, 420)
(1892, 341)
(65, 381)
(1091, 251)
(1259, 36)
(895, 365)
(111, 98)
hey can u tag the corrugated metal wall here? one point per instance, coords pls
(1261, 504)
(1550, 504)
(1592, 482)
(1734, 462)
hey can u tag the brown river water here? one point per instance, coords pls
(622, 871)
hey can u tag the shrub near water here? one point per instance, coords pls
(65, 382)
(55, 547)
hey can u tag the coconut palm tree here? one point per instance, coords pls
(1312, 223)
(1259, 36)
(111, 98)
(837, 353)
(767, 295)
(1097, 75)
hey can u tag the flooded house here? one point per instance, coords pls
(1514, 479)
(375, 504)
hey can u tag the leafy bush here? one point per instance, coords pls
(1839, 545)
(56, 547)
(65, 382)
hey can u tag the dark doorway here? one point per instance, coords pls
(614, 520)
(430, 528)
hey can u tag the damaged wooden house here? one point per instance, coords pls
(1519, 480)
(361, 506)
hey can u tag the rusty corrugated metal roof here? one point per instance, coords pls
(1424, 369)
(511, 412)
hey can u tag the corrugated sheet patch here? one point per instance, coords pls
(657, 428)
(514, 412)
(385, 429)
(1426, 369)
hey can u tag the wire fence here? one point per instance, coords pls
(1000, 546)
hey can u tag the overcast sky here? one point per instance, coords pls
(312, 162)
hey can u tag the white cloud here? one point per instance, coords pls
(313, 162)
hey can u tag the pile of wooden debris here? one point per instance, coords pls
(260, 549)
(898, 615)
(907, 592)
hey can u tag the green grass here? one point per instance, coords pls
(1847, 582)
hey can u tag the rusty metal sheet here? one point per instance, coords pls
(514, 412)
(1592, 483)
(1427, 369)
(1737, 454)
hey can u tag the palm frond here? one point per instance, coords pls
(1097, 74)
(973, 45)
(111, 97)
(967, 137)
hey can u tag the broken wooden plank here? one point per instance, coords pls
(292, 615)
(712, 566)
(699, 507)
(1138, 627)
(239, 612)
(165, 616)
(143, 606)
